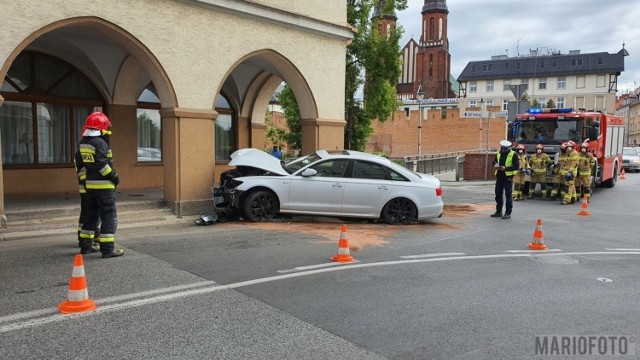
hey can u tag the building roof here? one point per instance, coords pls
(535, 65)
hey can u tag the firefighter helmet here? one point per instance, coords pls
(584, 145)
(571, 143)
(539, 147)
(521, 147)
(563, 146)
(97, 121)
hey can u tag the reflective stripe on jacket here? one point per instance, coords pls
(95, 156)
(507, 164)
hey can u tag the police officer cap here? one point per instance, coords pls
(505, 143)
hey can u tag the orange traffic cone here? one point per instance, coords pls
(584, 210)
(622, 175)
(78, 300)
(343, 248)
(538, 238)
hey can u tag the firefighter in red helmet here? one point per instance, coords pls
(586, 166)
(539, 163)
(520, 178)
(101, 181)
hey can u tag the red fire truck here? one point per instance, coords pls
(605, 135)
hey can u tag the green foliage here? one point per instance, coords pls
(292, 114)
(373, 62)
(273, 134)
(551, 104)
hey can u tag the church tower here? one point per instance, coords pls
(387, 19)
(427, 63)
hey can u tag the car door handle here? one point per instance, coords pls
(382, 187)
(337, 185)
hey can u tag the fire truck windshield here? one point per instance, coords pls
(546, 131)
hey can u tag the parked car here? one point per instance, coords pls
(329, 183)
(149, 154)
(630, 159)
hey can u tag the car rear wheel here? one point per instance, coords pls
(399, 211)
(260, 205)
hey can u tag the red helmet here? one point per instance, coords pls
(563, 145)
(584, 145)
(97, 121)
(539, 147)
(571, 143)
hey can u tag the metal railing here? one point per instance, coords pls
(438, 163)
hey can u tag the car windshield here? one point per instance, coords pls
(629, 151)
(549, 131)
(299, 163)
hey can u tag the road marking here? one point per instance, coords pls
(534, 251)
(310, 267)
(214, 287)
(623, 249)
(422, 256)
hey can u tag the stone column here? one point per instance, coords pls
(3, 217)
(258, 134)
(322, 134)
(189, 159)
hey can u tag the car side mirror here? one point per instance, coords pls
(308, 172)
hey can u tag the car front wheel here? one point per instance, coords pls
(260, 205)
(399, 211)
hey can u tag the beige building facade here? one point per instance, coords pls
(188, 81)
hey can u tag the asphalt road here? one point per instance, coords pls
(460, 287)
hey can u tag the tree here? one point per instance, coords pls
(551, 104)
(373, 62)
(291, 110)
(274, 135)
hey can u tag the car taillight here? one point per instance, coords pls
(439, 191)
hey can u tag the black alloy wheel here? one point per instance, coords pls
(399, 211)
(260, 206)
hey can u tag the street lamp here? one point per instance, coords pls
(420, 96)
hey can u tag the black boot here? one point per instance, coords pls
(109, 250)
(87, 246)
(496, 214)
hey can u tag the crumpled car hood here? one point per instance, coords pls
(258, 159)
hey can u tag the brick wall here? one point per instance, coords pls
(398, 136)
(475, 165)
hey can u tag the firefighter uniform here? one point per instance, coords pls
(519, 179)
(558, 179)
(568, 172)
(539, 162)
(100, 184)
(586, 165)
(82, 176)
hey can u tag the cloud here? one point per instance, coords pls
(478, 30)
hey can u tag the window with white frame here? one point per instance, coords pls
(489, 103)
(562, 82)
(600, 81)
(542, 84)
(505, 105)
(473, 103)
(473, 86)
(580, 82)
(524, 81)
(506, 85)
(542, 102)
(560, 102)
(489, 85)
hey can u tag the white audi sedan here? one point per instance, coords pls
(341, 183)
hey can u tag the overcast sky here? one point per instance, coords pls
(479, 29)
